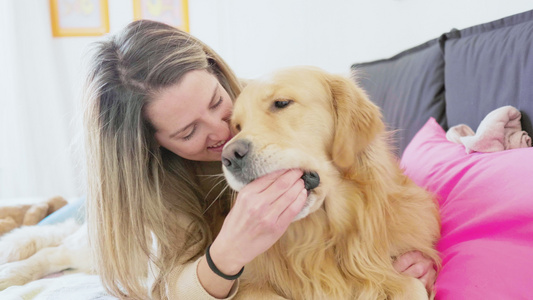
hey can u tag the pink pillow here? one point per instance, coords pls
(486, 206)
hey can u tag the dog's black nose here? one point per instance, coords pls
(311, 180)
(234, 154)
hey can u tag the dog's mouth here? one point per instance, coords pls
(311, 180)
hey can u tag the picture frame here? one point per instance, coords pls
(79, 17)
(171, 12)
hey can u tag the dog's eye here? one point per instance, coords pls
(282, 103)
(238, 128)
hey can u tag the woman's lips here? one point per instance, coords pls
(219, 146)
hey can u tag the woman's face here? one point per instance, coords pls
(191, 117)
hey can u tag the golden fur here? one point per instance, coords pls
(364, 213)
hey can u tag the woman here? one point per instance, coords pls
(158, 103)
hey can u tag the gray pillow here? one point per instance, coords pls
(408, 87)
(489, 66)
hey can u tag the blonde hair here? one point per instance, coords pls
(137, 190)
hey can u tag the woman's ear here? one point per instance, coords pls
(357, 120)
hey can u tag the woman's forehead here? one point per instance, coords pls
(178, 103)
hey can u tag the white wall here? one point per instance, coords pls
(41, 76)
(259, 36)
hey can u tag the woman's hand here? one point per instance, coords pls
(416, 265)
(261, 214)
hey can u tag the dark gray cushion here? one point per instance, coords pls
(489, 66)
(408, 87)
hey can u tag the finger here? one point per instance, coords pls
(282, 185)
(271, 187)
(278, 206)
(429, 279)
(406, 260)
(277, 178)
(260, 202)
(260, 184)
(417, 270)
(287, 216)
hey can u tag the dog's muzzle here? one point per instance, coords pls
(236, 160)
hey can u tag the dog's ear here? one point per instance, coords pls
(357, 120)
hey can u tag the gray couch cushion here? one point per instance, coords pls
(489, 66)
(408, 87)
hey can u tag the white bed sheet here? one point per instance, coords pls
(74, 286)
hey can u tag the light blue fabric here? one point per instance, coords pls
(74, 209)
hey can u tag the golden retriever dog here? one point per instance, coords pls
(361, 210)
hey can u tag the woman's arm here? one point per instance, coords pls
(215, 285)
(261, 214)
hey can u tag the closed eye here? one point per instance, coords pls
(279, 104)
(190, 135)
(217, 104)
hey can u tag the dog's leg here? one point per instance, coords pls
(23, 242)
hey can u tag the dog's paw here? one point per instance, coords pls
(15, 273)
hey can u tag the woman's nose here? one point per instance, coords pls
(218, 128)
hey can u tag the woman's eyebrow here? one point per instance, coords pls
(192, 123)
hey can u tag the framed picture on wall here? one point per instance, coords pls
(171, 12)
(79, 17)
